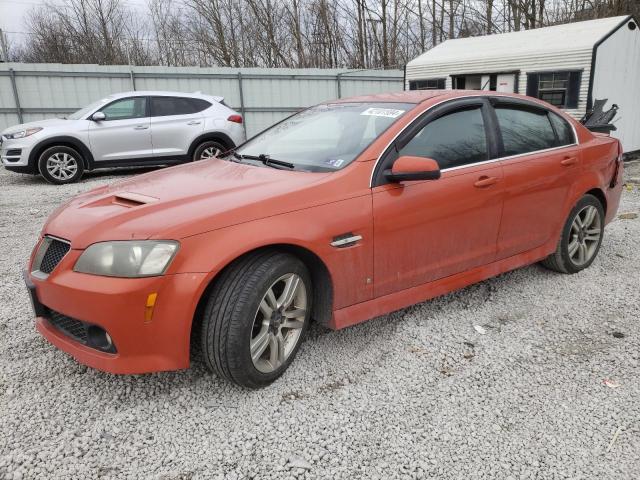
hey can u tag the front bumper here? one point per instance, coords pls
(118, 306)
(15, 153)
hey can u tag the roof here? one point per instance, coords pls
(569, 37)
(163, 93)
(411, 96)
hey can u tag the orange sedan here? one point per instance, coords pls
(343, 212)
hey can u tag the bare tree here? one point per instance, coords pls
(355, 34)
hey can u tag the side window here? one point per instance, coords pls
(563, 130)
(126, 108)
(199, 104)
(455, 139)
(166, 106)
(524, 131)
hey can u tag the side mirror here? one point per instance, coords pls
(98, 117)
(408, 168)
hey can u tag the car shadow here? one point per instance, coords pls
(12, 178)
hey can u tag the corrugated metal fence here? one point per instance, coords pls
(31, 92)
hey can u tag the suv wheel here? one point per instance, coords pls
(61, 165)
(207, 150)
(256, 317)
(581, 237)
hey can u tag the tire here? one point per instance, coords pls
(235, 320)
(209, 149)
(61, 165)
(585, 228)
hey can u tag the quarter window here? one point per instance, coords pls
(524, 131)
(453, 140)
(564, 132)
(126, 108)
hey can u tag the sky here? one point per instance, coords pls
(13, 14)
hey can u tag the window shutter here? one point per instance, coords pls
(573, 90)
(441, 83)
(412, 85)
(532, 85)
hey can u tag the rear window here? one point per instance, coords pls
(525, 131)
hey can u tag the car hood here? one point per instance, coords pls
(181, 201)
(40, 123)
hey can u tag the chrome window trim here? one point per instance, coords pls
(509, 157)
(493, 94)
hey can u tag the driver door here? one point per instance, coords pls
(124, 134)
(427, 230)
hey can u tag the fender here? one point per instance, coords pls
(598, 163)
(217, 136)
(60, 140)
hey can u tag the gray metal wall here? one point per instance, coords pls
(31, 92)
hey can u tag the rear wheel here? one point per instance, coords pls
(61, 165)
(581, 237)
(207, 150)
(256, 318)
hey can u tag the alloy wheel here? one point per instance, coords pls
(208, 153)
(62, 166)
(584, 236)
(278, 323)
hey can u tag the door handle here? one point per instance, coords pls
(140, 127)
(485, 181)
(569, 161)
(194, 122)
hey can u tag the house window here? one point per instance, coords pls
(561, 88)
(429, 84)
(552, 88)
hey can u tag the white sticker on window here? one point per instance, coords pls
(383, 112)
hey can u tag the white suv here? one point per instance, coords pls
(123, 130)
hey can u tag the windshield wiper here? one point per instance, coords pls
(265, 159)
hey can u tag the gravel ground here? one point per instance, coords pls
(551, 390)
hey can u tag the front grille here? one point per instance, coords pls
(16, 152)
(55, 252)
(69, 326)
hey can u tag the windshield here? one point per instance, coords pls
(326, 137)
(83, 112)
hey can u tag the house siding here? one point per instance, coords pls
(560, 60)
(616, 79)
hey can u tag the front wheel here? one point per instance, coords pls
(581, 237)
(256, 317)
(60, 165)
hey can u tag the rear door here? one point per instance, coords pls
(175, 124)
(124, 133)
(540, 162)
(426, 230)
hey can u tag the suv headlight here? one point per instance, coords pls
(128, 258)
(22, 133)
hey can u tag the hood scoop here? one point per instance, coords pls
(124, 199)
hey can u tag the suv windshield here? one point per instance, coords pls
(326, 137)
(83, 112)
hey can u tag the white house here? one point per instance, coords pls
(569, 65)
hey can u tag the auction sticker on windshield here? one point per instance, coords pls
(383, 112)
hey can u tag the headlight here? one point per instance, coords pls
(129, 258)
(22, 133)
